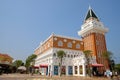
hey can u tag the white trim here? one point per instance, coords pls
(92, 27)
(73, 38)
(55, 35)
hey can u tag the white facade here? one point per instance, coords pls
(74, 59)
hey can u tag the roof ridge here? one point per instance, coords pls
(90, 14)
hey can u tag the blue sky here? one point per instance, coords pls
(25, 23)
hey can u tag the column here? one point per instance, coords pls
(78, 70)
(52, 70)
(84, 70)
(48, 70)
(73, 70)
(67, 70)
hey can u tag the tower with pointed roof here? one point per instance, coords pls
(93, 35)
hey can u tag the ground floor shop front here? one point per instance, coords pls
(77, 70)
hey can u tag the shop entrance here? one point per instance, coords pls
(44, 69)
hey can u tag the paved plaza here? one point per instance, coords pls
(38, 77)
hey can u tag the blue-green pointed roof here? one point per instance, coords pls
(90, 14)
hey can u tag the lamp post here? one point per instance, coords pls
(112, 65)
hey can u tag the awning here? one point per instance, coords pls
(36, 67)
(97, 65)
(43, 65)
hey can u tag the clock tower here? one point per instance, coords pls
(93, 35)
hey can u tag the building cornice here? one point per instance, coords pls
(92, 26)
(56, 35)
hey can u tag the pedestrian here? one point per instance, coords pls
(116, 75)
(108, 73)
(30, 69)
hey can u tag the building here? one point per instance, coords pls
(47, 56)
(74, 63)
(5, 59)
(5, 62)
(93, 35)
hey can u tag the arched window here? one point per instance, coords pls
(78, 46)
(69, 45)
(68, 55)
(54, 54)
(65, 55)
(60, 43)
(74, 55)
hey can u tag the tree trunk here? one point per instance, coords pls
(60, 66)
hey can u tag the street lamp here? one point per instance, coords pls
(112, 64)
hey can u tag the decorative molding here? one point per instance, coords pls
(92, 26)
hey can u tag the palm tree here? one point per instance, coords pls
(108, 56)
(60, 55)
(88, 56)
(29, 60)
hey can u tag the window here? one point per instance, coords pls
(78, 46)
(74, 55)
(76, 70)
(81, 69)
(69, 45)
(65, 55)
(70, 70)
(99, 54)
(60, 43)
(68, 55)
(54, 55)
(63, 70)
